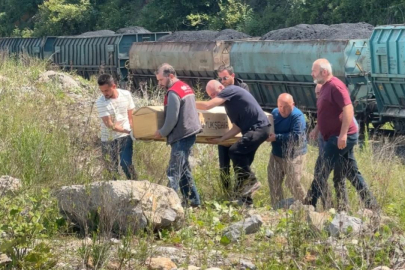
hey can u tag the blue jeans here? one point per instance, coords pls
(344, 164)
(121, 147)
(179, 171)
(321, 143)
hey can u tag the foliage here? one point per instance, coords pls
(115, 14)
(63, 17)
(232, 15)
(172, 15)
(27, 222)
(97, 253)
(17, 15)
(35, 146)
(255, 17)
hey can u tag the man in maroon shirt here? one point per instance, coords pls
(335, 123)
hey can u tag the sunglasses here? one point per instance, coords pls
(223, 79)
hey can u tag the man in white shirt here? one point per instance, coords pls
(115, 109)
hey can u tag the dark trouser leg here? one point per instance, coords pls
(179, 172)
(125, 146)
(224, 166)
(339, 183)
(354, 176)
(109, 152)
(345, 164)
(323, 167)
(242, 154)
(187, 185)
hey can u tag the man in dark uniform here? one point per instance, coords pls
(226, 76)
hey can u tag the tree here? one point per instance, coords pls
(233, 15)
(270, 15)
(115, 14)
(160, 15)
(64, 17)
(17, 15)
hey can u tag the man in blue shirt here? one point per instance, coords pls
(289, 150)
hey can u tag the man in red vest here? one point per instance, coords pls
(180, 127)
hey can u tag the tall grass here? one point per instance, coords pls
(49, 138)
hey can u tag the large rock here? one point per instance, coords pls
(64, 80)
(343, 223)
(121, 205)
(247, 226)
(9, 184)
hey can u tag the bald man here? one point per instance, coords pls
(335, 122)
(248, 118)
(289, 148)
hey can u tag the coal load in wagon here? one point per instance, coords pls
(133, 30)
(321, 31)
(97, 33)
(204, 35)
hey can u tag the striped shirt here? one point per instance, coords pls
(117, 109)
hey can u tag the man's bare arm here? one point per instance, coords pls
(231, 133)
(206, 105)
(130, 112)
(347, 118)
(115, 127)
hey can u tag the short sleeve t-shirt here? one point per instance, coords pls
(118, 110)
(333, 97)
(242, 108)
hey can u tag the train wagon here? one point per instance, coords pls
(98, 54)
(387, 46)
(17, 46)
(195, 62)
(274, 67)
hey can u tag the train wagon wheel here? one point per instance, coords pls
(399, 126)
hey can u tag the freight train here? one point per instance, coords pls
(87, 55)
(373, 69)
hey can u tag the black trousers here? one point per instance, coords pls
(345, 166)
(224, 166)
(242, 154)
